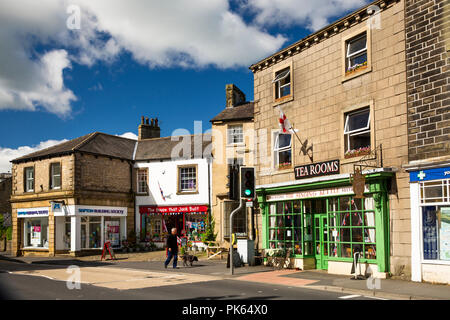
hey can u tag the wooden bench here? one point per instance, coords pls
(213, 249)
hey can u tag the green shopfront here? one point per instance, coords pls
(323, 224)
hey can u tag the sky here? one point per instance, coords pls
(68, 68)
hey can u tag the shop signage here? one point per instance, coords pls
(32, 212)
(429, 174)
(173, 209)
(317, 169)
(102, 211)
(314, 193)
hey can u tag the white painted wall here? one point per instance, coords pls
(166, 174)
(416, 248)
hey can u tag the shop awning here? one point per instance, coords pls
(172, 209)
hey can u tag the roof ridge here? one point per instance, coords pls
(88, 138)
(113, 135)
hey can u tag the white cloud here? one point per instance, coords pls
(313, 15)
(187, 33)
(8, 154)
(129, 135)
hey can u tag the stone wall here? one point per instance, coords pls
(428, 74)
(322, 95)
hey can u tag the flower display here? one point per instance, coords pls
(356, 67)
(357, 152)
(284, 165)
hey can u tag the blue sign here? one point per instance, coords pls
(430, 174)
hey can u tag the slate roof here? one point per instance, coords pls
(161, 148)
(99, 143)
(241, 112)
(94, 143)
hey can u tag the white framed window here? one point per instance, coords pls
(29, 179)
(235, 134)
(282, 82)
(55, 175)
(187, 179)
(357, 130)
(142, 181)
(356, 53)
(282, 150)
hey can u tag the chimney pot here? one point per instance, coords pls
(152, 122)
(146, 120)
(142, 120)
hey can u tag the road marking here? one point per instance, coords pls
(350, 297)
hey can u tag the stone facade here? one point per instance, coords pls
(86, 179)
(428, 74)
(5, 193)
(321, 94)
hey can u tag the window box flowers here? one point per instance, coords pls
(284, 165)
(357, 152)
(355, 68)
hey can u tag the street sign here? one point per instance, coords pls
(249, 204)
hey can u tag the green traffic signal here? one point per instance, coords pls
(248, 192)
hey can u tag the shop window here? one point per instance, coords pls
(195, 226)
(67, 233)
(55, 175)
(112, 230)
(29, 179)
(282, 83)
(95, 232)
(142, 180)
(357, 133)
(435, 191)
(235, 134)
(187, 177)
(356, 54)
(282, 151)
(153, 228)
(436, 230)
(36, 232)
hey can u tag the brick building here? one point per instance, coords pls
(232, 137)
(428, 74)
(343, 90)
(5, 194)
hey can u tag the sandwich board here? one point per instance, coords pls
(107, 246)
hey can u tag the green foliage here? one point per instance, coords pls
(132, 238)
(183, 250)
(9, 233)
(209, 234)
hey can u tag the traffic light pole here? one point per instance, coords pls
(231, 233)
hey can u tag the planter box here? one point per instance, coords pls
(347, 73)
(357, 154)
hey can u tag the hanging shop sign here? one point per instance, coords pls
(317, 169)
(314, 193)
(430, 174)
(173, 209)
(32, 212)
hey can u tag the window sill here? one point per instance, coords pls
(440, 262)
(180, 193)
(142, 194)
(34, 249)
(356, 73)
(283, 100)
(235, 145)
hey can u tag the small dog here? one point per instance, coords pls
(188, 258)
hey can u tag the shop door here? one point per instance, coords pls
(84, 237)
(320, 241)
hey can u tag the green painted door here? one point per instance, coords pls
(320, 241)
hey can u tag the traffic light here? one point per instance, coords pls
(247, 182)
(233, 180)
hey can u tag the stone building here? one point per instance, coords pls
(343, 90)
(5, 194)
(428, 74)
(233, 144)
(73, 196)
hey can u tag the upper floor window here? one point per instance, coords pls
(142, 181)
(187, 179)
(282, 150)
(235, 134)
(356, 53)
(282, 82)
(55, 175)
(357, 132)
(29, 179)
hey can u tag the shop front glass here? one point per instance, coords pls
(67, 233)
(112, 230)
(335, 227)
(91, 233)
(435, 203)
(195, 226)
(36, 232)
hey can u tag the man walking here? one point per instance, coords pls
(172, 248)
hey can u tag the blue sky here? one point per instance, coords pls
(166, 60)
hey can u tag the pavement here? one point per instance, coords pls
(144, 270)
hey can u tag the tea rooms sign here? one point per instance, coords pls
(317, 169)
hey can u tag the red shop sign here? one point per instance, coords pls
(172, 209)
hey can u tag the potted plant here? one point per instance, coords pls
(357, 152)
(125, 246)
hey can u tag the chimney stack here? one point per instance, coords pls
(234, 96)
(149, 130)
